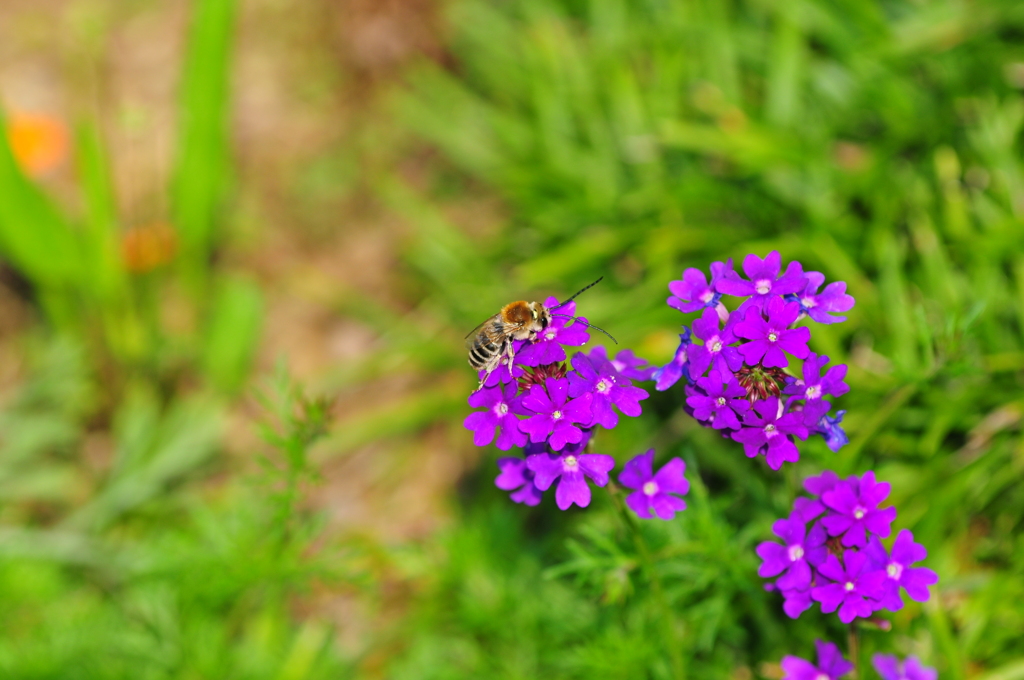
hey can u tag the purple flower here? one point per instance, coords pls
(834, 434)
(669, 374)
(788, 559)
(915, 580)
(716, 349)
(853, 589)
(547, 348)
(891, 668)
(555, 414)
(854, 509)
(831, 664)
(653, 491)
(813, 387)
(826, 481)
(765, 284)
(602, 381)
(501, 408)
(694, 292)
(770, 433)
(571, 469)
(769, 339)
(818, 305)
(515, 476)
(626, 363)
(796, 602)
(721, 404)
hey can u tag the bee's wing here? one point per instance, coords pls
(471, 336)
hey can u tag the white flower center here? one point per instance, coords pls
(813, 392)
(763, 286)
(570, 461)
(650, 488)
(603, 387)
(502, 408)
(716, 345)
(549, 336)
(796, 552)
(720, 401)
(707, 295)
(504, 361)
(809, 302)
(848, 586)
(821, 676)
(772, 336)
(770, 431)
(894, 570)
(859, 512)
(557, 415)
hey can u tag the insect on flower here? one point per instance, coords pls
(494, 339)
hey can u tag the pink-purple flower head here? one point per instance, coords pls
(571, 469)
(501, 407)
(517, 477)
(891, 668)
(819, 306)
(898, 570)
(628, 364)
(548, 347)
(720, 404)
(716, 351)
(607, 387)
(831, 665)
(655, 493)
(853, 510)
(694, 292)
(763, 282)
(814, 386)
(790, 559)
(772, 338)
(769, 431)
(669, 374)
(852, 586)
(553, 416)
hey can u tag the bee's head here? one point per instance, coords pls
(541, 314)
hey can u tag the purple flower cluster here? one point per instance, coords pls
(551, 410)
(740, 366)
(832, 666)
(840, 561)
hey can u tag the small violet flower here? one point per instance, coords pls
(831, 665)
(554, 415)
(606, 387)
(814, 386)
(501, 406)
(716, 349)
(722, 404)
(628, 364)
(899, 573)
(834, 434)
(654, 491)
(770, 433)
(819, 305)
(694, 292)
(571, 469)
(853, 588)
(853, 506)
(515, 476)
(891, 668)
(765, 284)
(789, 559)
(770, 338)
(547, 349)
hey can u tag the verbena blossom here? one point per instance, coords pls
(552, 410)
(721, 404)
(832, 551)
(656, 493)
(762, 345)
(891, 668)
(831, 664)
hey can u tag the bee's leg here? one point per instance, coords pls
(489, 368)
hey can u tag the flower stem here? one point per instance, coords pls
(667, 626)
(853, 650)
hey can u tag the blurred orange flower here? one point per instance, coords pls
(39, 142)
(146, 247)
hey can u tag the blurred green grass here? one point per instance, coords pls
(878, 142)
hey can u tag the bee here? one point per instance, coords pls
(491, 343)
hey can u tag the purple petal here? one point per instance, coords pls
(638, 471)
(572, 489)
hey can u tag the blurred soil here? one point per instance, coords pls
(308, 78)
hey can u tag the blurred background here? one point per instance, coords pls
(241, 242)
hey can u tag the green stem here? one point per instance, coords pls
(667, 626)
(853, 650)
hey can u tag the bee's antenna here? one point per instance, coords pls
(587, 323)
(562, 304)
